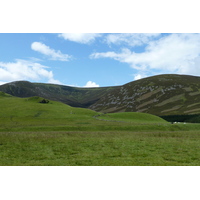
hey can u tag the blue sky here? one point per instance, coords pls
(96, 59)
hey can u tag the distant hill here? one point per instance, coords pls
(159, 95)
(73, 96)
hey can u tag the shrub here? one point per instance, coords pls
(44, 101)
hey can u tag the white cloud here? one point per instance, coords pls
(53, 81)
(46, 50)
(91, 84)
(139, 76)
(25, 70)
(130, 39)
(1, 83)
(83, 38)
(174, 53)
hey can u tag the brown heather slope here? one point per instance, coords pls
(159, 95)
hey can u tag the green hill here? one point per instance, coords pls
(35, 107)
(3, 94)
(37, 113)
(132, 117)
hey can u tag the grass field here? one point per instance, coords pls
(33, 133)
(132, 117)
(109, 148)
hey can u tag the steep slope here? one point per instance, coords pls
(158, 95)
(73, 96)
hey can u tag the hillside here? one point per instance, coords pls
(73, 96)
(158, 95)
(30, 114)
(37, 107)
(132, 117)
(38, 114)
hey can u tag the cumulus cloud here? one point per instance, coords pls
(25, 70)
(84, 38)
(139, 76)
(91, 84)
(1, 83)
(174, 53)
(130, 39)
(51, 53)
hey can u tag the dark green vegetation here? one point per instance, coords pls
(160, 95)
(53, 133)
(182, 118)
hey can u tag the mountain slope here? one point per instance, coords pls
(73, 96)
(158, 95)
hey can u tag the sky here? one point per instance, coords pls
(96, 59)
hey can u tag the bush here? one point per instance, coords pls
(44, 101)
(182, 118)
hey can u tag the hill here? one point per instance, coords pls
(132, 117)
(37, 114)
(160, 95)
(73, 96)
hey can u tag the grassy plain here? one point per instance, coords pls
(37, 134)
(110, 148)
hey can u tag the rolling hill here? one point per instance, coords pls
(73, 96)
(158, 95)
(36, 113)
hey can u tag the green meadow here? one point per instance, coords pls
(55, 134)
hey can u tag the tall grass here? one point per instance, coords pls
(113, 148)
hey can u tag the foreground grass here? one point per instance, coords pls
(109, 148)
(32, 133)
(132, 117)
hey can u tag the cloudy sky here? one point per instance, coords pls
(96, 59)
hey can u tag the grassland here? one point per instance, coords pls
(108, 148)
(132, 117)
(33, 133)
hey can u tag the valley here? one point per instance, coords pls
(160, 95)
